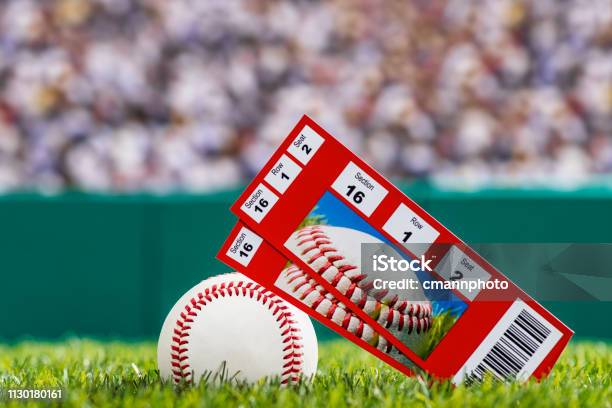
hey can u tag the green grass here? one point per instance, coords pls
(115, 373)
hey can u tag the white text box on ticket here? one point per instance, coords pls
(259, 203)
(244, 246)
(410, 230)
(456, 265)
(283, 173)
(361, 190)
(305, 145)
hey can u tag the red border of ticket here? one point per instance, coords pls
(316, 175)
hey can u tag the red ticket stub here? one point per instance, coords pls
(393, 265)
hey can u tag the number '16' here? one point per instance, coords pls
(358, 196)
(247, 248)
(263, 203)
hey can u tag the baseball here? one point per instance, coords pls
(229, 327)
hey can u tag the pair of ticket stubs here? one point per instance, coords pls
(326, 232)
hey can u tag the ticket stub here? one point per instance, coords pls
(393, 265)
(247, 253)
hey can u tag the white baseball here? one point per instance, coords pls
(230, 326)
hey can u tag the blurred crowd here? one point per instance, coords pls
(158, 95)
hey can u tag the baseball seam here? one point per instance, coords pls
(313, 295)
(291, 340)
(315, 244)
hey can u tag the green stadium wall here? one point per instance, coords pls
(113, 266)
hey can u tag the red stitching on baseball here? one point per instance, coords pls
(346, 320)
(359, 330)
(290, 336)
(294, 273)
(314, 237)
(331, 310)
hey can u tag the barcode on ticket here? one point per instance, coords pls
(513, 349)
